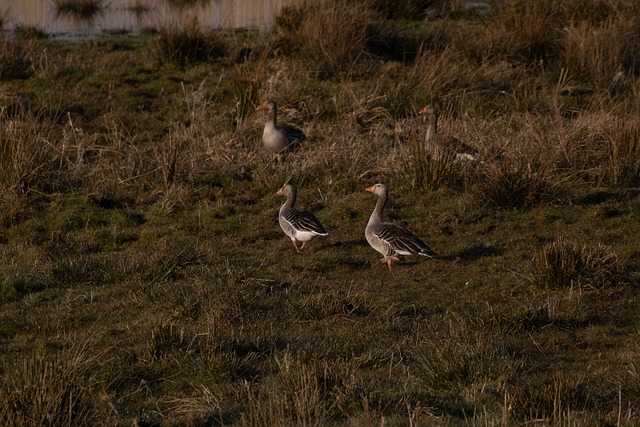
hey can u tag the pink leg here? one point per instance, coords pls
(388, 262)
(299, 250)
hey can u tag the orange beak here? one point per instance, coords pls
(423, 111)
(370, 189)
(262, 107)
(279, 192)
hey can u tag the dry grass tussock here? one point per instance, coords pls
(16, 60)
(332, 35)
(54, 389)
(600, 148)
(564, 264)
(28, 157)
(190, 44)
(604, 55)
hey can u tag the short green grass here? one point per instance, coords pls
(144, 279)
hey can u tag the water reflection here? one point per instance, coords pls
(183, 4)
(79, 9)
(82, 12)
(139, 15)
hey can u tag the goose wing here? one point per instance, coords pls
(294, 135)
(401, 240)
(303, 220)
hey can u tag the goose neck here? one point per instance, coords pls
(271, 116)
(376, 215)
(290, 201)
(432, 126)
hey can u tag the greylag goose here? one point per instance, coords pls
(299, 224)
(390, 239)
(462, 151)
(279, 138)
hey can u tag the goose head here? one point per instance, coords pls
(268, 105)
(377, 189)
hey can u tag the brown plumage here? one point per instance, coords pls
(391, 239)
(279, 138)
(299, 224)
(451, 145)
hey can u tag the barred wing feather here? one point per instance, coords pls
(303, 220)
(400, 240)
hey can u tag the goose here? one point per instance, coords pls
(391, 239)
(279, 138)
(462, 151)
(299, 224)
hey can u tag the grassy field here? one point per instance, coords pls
(144, 279)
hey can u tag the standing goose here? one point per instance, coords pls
(390, 239)
(462, 151)
(299, 224)
(279, 138)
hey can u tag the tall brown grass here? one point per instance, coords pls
(520, 183)
(604, 56)
(521, 31)
(27, 153)
(623, 146)
(431, 171)
(332, 35)
(190, 44)
(16, 60)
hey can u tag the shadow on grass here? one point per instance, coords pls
(349, 243)
(595, 198)
(598, 197)
(471, 254)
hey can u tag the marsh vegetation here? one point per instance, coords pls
(144, 279)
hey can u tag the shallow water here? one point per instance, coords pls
(139, 15)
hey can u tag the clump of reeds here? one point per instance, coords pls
(29, 32)
(521, 31)
(333, 35)
(602, 55)
(15, 60)
(518, 183)
(564, 264)
(79, 9)
(25, 153)
(190, 44)
(623, 143)
(432, 170)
